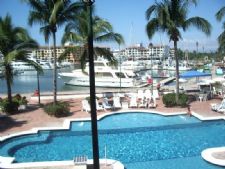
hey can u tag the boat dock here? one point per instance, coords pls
(167, 80)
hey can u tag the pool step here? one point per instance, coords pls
(80, 160)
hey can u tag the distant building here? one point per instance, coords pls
(46, 53)
(138, 52)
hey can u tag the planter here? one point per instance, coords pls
(22, 107)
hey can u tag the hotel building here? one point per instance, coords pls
(138, 52)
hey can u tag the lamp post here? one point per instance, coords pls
(151, 74)
(94, 125)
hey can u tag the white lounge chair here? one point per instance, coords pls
(116, 102)
(99, 107)
(106, 104)
(140, 94)
(133, 101)
(147, 94)
(218, 106)
(85, 106)
(155, 94)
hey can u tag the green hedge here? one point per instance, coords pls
(60, 109)
(20, 100)
(9, 108)
(170, 100)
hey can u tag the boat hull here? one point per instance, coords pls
(83, 80)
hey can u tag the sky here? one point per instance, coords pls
(128, 18)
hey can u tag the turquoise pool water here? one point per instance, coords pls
(138, 140)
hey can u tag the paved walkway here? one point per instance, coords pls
(34, 116)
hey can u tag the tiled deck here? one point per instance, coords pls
(35, 117)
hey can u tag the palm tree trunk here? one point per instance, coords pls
(94, 124)
(177, 71)
(9, 90)
(54, 69)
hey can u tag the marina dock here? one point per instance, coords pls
(167, 80)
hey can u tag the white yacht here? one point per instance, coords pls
(20, 65)
(132, 65)
(181, 67)
(24, 66)
(105, 76)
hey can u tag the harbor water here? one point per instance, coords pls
(26, 82)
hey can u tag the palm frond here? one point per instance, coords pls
(27, 45)
(46, 31)
(67, 51)
(71, 37)
(221, 38)
(110, 37)
(149, 12)
(220, 14)
(152, 27)
(200, 23)
(55, 11)
(106, 54)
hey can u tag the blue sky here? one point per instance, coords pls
(128, 19)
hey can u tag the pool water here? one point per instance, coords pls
(138, 140)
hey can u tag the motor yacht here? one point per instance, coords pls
(105, 76)
(24, 66)
(132, 65)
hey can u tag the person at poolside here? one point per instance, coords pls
(189, 110)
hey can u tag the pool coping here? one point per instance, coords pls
(7, 161)
(207, 155)
(108, 162)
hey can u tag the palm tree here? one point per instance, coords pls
(15, 44)
(221, 39)
(77, 32)
(170, 16)
(51, 14)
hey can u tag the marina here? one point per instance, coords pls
(25, 81)
(76, 94)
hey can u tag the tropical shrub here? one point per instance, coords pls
(170, 100)
(9, 108)
(59, 109)
(20, 100)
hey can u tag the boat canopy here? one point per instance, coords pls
(194, 73)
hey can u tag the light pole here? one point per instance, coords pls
(94, 125)
(120, 67)
(152, 74)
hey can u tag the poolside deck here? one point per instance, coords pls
(34, 116)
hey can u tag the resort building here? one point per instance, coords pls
(139, 52)
(46, 53)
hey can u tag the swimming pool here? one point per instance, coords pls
(138, 140)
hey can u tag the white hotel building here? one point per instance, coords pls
(138, 52)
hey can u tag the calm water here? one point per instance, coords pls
(138, 140)
(27, 82)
